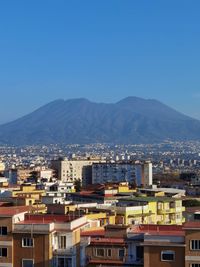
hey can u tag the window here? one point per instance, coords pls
(109, 252)
(121, 253)
(167, 255)
(27, 242)
(99, 252)
(195, 265)
(3, 230)
(62, 242)
(27, 263)
(195, 244)
(3, 252)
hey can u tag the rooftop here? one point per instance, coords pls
(96, 233)
(149, 199)
(110, 240)
(11, 211)
(48, 218)
(152, 229)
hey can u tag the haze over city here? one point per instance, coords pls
(100, 50)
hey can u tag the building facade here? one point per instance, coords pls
(144, 174)
(113, 172)
(72, 170)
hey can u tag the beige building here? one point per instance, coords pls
(75, 169)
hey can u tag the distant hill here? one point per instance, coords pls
(131, 120)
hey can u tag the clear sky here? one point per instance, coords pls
(103, 50)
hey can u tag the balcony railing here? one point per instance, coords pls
(66, 251)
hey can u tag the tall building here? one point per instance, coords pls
(144, 174)
(113, 172)
(74, 169)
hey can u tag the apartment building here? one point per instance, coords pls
(41, 240)
(47, 240)
(164, 247)
(192, 242)
(144, 174)
(141, 246)
(113, 172)
(109, 250)
(74, 169)
(147, 210)
(9, 216)
(56, 192)
(102, 193)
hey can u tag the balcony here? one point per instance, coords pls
(70, 251)
(161, 222)
(163, 211)
(166, 211)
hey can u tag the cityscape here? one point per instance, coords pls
(99, 133)
(99, 204)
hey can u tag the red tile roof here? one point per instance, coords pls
(110, 240)
(153, 229)
(97, 233)
(11, 211)
(48, 218)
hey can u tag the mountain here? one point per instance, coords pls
(131, 120)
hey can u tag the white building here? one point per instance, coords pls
(113, 172)
(144, 174)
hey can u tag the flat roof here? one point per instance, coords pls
(159, 230)
(107, 240)
(48, 218)
(150, 199)
(94, 233)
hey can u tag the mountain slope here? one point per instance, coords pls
(131, 120)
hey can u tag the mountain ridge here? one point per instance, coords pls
(130, 120)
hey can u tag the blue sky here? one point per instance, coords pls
(103, 50)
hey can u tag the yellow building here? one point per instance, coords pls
(29, 192)
(124, 188)
(103, 217)
(149, 210)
